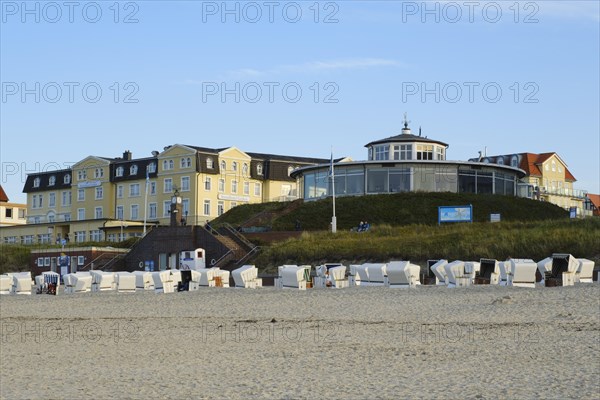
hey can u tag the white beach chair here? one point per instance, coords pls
(472, 268)
(246, 277)
(143, 280)
(48, 282)
(125, 282)
(585, 271)
(21, 283)
(504, 267)
(564, 267)
(376, 275)
(439, 271)
(320, 279)
(544, 268)
(5, 284)
(78, 282)
(162, 282)
(489, 272)
(402, 274)
(337, 274)
(455, 272)
(522, 272)
(102, 281)
(293, 277)
(353, 277)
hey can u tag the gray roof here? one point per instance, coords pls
(406, 137)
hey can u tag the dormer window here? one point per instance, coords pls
(36, 182)
(259, 169)
(152, 167)
(52, 181)
(500, 161)
(119, 172)
(67, 179)
(514, 161)
(133, 170)
(210, 163)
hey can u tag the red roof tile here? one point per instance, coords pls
(595, 199)
(530, 163)
(3, 196)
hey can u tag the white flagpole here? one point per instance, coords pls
(332, 174)
(146, 200)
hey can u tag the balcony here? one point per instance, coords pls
(573, 193)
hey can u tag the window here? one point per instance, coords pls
(259, 169)
(67, 179)
(246, 187)
(119, 212)
(220, 208)
(223, 166)
(382, 152)
(8, 213)
(119, 172)
(52, 181)
(186, 162)
(500, 161)
(207, 183)
(81, 214)
(185, 206)
(99, 193)
(210, 164)
(245, 169)
(52, 199)
(96, 235)
(98, 212)
(134, 190)
(99, 173)
(424, 152)
(81, 259)
(152, 167)
(152, 211)
(133, 170)
(168, 185)
(27, 239)
(80, 194)
(81, 175)
(135, 212)
(40, 200)
(36, 182)
(234, 166)
(553, 166)
(221, 185)
(152, 188)
(439, 151)
(120, 191)
(51, 217)
(206, 207)
(185, 183)
(257, 189)
(168, 165)
(66, 198)
(234, 186)
(67, 217)
(166, 208)
(514, 161)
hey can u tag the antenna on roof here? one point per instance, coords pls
(419, 131)
(406, 121)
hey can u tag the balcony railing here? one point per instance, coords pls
(576, 193)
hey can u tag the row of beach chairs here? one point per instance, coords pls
(557, 270)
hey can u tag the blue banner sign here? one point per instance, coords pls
(455, 214)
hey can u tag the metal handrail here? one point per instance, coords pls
(254, 250)
(238, 235)
(221, 258)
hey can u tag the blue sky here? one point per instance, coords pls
(514, 78)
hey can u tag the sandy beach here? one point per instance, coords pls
(482, 342)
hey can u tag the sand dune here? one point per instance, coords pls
(480, 342)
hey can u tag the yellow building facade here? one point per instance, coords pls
(112, 199)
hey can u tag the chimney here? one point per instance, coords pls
(127, 155)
